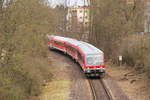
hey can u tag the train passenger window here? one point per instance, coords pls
(67, 46)
(56, 42)
(59, 43)
(71, 48)
(74, 50)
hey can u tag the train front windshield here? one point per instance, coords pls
(94, 60)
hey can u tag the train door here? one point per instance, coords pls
(67, 48)
(81, 59)
(73, 51)
(70, 50)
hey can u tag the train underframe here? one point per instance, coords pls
(95, 73)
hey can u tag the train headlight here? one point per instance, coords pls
(88, 71)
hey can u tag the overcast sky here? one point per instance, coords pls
(69, 2)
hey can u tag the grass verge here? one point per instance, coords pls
(55, 90)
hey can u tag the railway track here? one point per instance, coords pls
(99, 90)
(98, 87)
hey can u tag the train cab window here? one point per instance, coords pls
(94, 60)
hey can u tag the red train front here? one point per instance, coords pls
(94, 63)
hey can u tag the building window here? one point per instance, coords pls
(80, 11)
(86, 11)
(86, 23)
(74, 11)
(86, 17)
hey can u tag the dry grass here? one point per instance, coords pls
(23, 82)
(55, 90)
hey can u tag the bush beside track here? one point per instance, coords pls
(135, 50)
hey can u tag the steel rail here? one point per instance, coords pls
(95, 97)
(106, 89)
(93, 90)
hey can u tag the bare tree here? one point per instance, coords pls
(111, 20)
(24, 25)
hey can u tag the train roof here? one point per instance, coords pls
(85, 47)
(70, 40)
(75, 42)
(89, 49)
(62, 38)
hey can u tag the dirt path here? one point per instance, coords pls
(68, 83)
(134, 84)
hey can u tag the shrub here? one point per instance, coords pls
(23, 46)
(135, 50)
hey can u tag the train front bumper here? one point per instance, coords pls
(94, 70)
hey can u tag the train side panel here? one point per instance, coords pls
(71, 50)
(58, 44)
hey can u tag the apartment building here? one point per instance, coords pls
(77, 18)
(147, 16)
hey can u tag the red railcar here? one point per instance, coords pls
(89, 57)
